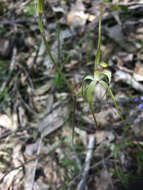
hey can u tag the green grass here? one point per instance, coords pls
(29, 9)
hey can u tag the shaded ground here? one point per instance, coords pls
(47, 140)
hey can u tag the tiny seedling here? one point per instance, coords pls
(57, 80)
(29, 10)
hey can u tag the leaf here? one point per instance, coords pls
(89, 91)
(110, 92)
(98, 75)
(113, 99)
(84, 84)
(108, 74)
(88, 78)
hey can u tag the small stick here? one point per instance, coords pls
(82, 182)
(36, 162)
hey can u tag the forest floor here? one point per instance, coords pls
(48, 139)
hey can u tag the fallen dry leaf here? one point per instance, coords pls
(77, 17)
(53, 121)
(6, 122)
(138, 72)
(104, 136)
(128, 79)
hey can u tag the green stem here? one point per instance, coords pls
(94, 117)
(51, 57)
(59, 45)
(97, 58)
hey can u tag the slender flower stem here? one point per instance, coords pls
(56, 65)
(97, 59)
(51, 57)
(94, 117)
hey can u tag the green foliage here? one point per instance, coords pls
(115, 7)
(140, 161)
(67, 162)
(100, 76)
(2, 63)
(140, 156)
(4, 94)
(57, 80)
(39, 8)
(3, 68)
(29, 10)
(124, 8)
(123, 176)
(107, 1)
(79, 148)
(115, 151)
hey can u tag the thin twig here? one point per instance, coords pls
(73, 130)
(51, 56)
(27, 106)
(36, 162)
(27, 75)
(94, 117)
(92, 167)
(82, 182)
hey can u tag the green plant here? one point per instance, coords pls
(29, 10)
(68, 162)
(4, 94)
(139, 159)
(122, 175)
(40, 10)
(100, 76)
(57, 80)
(3, 68)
